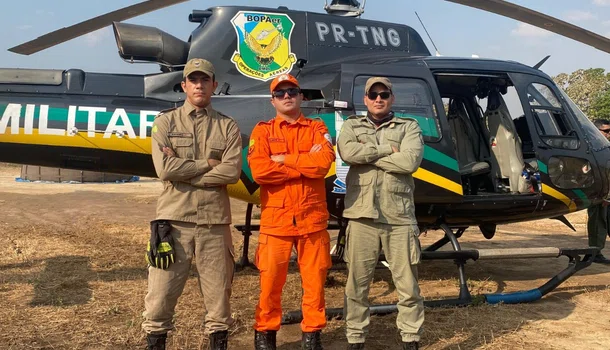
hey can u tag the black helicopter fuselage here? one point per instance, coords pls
(502, 142)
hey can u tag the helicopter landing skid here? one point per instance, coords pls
(579, 258)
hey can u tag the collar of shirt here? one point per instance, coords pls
(378, 122)
(191, 110)
(300, 120)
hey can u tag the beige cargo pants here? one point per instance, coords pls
(212, 248)
(364, 240)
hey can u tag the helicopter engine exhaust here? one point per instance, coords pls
(150, 44)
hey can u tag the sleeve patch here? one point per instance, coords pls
(328, 138)
(251, 146)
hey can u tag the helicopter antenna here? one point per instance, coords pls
(428, 34)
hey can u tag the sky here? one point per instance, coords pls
(457, 30)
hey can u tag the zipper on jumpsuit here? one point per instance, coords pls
(291, 186)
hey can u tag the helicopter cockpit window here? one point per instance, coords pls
(413, 99)
(598, 141)
(550, 119)
(570, 172)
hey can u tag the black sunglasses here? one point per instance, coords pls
(605, 131)
(372, 95)
(292, 92)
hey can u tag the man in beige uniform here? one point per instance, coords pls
(196, 152)
(383, 152)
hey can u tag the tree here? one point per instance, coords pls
(585, 87)
(600, 108)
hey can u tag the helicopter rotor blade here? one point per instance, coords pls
(67, 33)
(540, 20)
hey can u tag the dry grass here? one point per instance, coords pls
(82, 287)
(73, 276)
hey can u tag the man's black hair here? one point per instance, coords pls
(599, 122)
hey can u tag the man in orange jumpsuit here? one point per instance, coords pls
(290, 156)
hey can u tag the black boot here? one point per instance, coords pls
(264, 340)
(412, 345)
(219, 340)
(311, 341)
(156, 341)
(355, 346)
(600, 259)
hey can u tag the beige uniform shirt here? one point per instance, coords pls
(380, 182)
(193, 191)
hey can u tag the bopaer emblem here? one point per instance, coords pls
(263, 44)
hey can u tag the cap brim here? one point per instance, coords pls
(208, 73)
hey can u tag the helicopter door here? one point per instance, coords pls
(417, 97)
(568, 170)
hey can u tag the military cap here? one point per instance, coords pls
(283, 78)
(198, 65)
(374, 80)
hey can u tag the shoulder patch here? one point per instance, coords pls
(264, 122)
(410, 119)
(223, 115)
(165, 111)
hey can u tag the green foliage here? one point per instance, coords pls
(600, 107)
(589, 89)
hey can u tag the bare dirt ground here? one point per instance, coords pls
(73, 276)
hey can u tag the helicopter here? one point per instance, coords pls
(503, 143)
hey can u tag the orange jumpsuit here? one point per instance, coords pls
(294, 212)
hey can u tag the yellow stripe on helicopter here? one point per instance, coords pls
(560, 196)
(143, 146)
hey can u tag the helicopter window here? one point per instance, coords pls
(569, 172)
(598, 141)
(545, 97)
(550, 119)
(413, 99)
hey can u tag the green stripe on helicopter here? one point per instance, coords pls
(585, 200)
(542, 167)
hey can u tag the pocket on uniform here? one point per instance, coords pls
(414, 245)
(325, 259)
(318, 212)
(216, 148)
(277, 148)
(347, 242)
(399, 192)
(183, 146)
(394, 137)
(260, 257)
(357, 189)
(396, 183)
(365, 135)
(272, 209)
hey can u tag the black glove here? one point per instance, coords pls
(160, 249)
